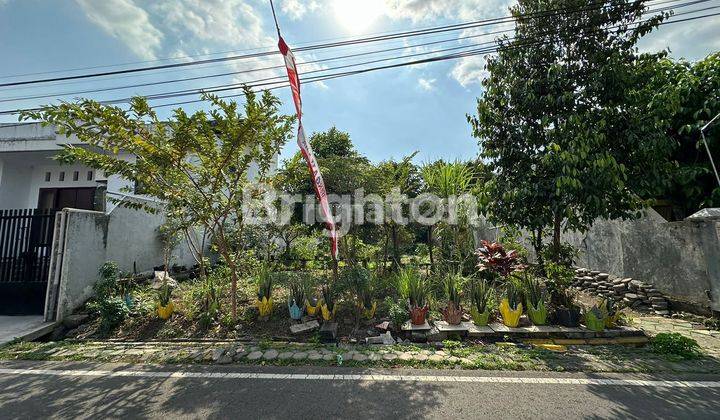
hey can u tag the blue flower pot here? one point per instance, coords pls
(295, 311)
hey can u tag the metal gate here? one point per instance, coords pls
(25, 245)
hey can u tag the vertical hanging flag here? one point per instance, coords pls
(305, 147)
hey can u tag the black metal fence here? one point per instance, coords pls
(25, 245)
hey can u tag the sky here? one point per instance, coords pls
(389, 113)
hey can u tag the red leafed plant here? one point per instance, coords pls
(493, 257)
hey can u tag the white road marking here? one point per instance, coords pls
(375, 377)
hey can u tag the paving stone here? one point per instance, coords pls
(359, 357)
(420, 357)
(271, 354)
(285, 355)
(216, 354)
(301, 355)
(436, 358)
(239, 355)
(328, 357)
(225, 359)
(405, 356)
(375, 357)
(390, 356)
(255, 355)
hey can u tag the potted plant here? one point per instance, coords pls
(328, 306)
(613, 315)
(595, 319)
(414, 290)
(453, 311)
(368, 304)
(492, 257)
(358, 280)
(511, 307)
(535, 300)
(567, 312)
(264, 295)
(312, 304)
(165, 306)
(482, 299)
(296, 300)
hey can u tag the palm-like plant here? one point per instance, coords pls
(328, 297)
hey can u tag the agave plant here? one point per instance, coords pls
(328, 297)
(534, 299)
(513, 294)
(482, 296)
(493, 257)
(297, 294)
(453, 311)
(264, 283)
(413, 287)
(414, 290)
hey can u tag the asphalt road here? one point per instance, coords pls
(85, 390)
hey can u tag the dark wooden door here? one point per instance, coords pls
(60, 198)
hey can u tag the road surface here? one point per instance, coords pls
(86, 390)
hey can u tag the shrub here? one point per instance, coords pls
(675, 344)
(112, 312)
(397, 311)
(107, 284)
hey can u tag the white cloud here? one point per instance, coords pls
(296, 9)
(126, 21)
(428, 10)
(427, 84)
(469, 70)
(691, 40)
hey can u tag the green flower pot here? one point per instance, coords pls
(480, 319)
(538, 315)
(594, 323)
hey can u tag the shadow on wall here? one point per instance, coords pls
(127, 236)
(681, 259)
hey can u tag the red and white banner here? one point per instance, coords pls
(305, 147)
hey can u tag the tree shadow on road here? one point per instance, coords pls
(36, 396)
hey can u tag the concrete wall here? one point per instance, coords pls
(681, 259)
(128, 237)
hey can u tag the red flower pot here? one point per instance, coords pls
(418, 314)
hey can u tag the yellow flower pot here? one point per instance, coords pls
(164, 312)
(369, 313)
(265, 306)
(326, 314)
(511, 318)
(312, 310)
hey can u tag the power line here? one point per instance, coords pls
(404, 34)
(155, 83)
(280, 84)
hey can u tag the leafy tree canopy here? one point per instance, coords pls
(561, 123)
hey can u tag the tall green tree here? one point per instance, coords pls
(196, 164)
(690, 91)
(560, 123)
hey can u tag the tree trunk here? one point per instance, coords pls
(557, 221)
(430, 248)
